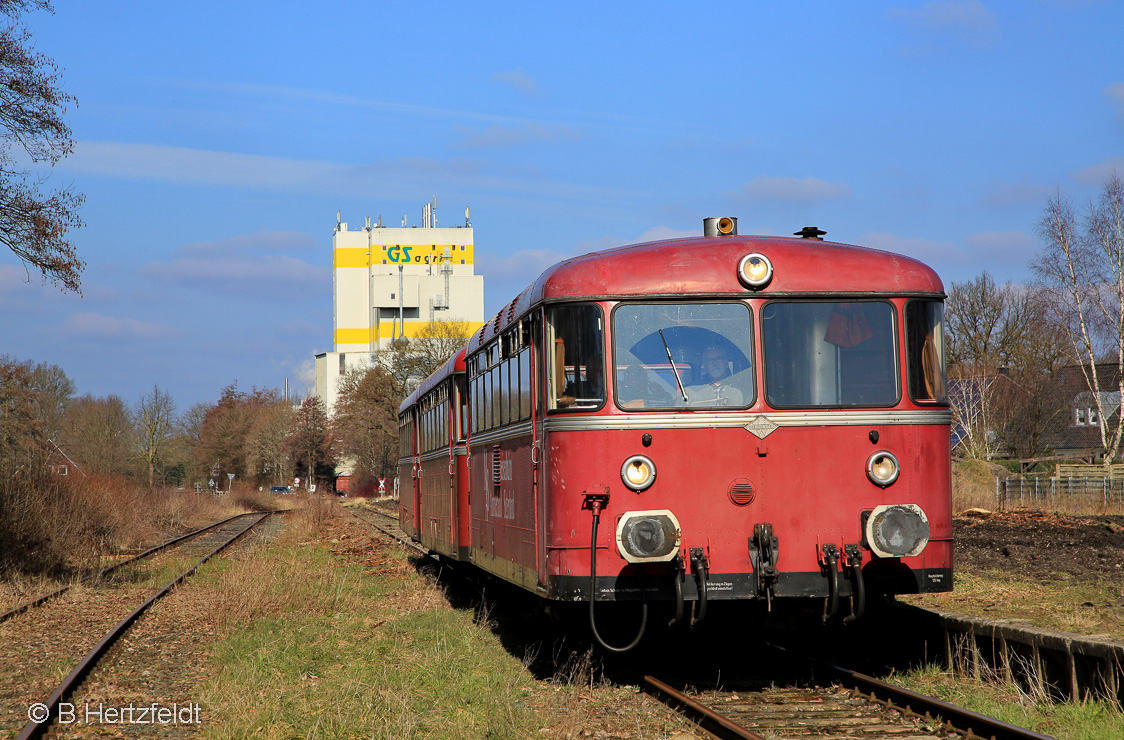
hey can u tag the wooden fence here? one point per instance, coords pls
(1084, 494)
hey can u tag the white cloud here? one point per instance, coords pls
(306, 377)
(95, 326)
(518, 79)
(258, 242)
(659, 233)
(1116, 92)
(969, 19)
(522, 266)
(276, 270)
(1018, 194)
(243, 263)
(198, 166)
(507, 136)
(1096, 175)
(796, 190)
(1007, 246)
(383, 179)
(932, 253)
(23, 290)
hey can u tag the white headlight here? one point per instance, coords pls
(882, 468)
(638, 472)
(755, 270)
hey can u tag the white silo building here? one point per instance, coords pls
(391, 282)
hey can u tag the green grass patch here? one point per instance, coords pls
(317, 649)
(1091, 720)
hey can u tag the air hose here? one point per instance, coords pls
(595, 505)
(858, 585)
(831, 556)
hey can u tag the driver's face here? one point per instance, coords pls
(715, 363)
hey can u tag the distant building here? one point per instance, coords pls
(1076, 431)
(391, 282)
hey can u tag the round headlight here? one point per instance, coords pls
(897, 531)
(882, 468)
(648, 536)
(755, 270)
(638, 472)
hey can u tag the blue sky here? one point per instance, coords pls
(217, 141)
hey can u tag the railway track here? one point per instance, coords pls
(107, 571)
(387, 524)
(860, 706)
(204, 544)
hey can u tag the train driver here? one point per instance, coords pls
(589, 391)
(715, 390)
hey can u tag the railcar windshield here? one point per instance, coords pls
(673, 355)
(829, 354)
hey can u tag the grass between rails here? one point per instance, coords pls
(333, 636)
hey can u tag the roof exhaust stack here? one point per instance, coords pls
(724, 226)
(810, 232)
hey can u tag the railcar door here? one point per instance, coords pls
(458, 469)
(407, 492)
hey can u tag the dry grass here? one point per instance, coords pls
(53, 530)
(973, 484)
(332, 634)
(1019, 694)
(1067, 605)
(974, 487)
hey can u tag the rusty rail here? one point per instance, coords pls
(107, 570)
(710, 720)
(38, 729)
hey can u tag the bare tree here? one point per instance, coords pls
(98, 434)
(155, 423)
(982, 321)
(366, 421)
(309, 441)
(23, 441)
(411, 362)
(267, 456)
(1082, 270)
(34, 223)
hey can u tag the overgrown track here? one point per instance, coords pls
(106, 571)
(228, 532)
(862, 707)
(387, 524)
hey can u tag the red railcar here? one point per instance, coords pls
(753, 417)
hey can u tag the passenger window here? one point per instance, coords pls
(925, 346)
(576, 378)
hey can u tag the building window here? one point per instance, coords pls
(1079, 418)
(1091, 415)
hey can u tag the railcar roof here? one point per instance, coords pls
(707, 265)
(453, 365)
